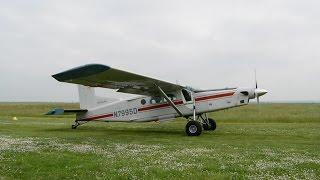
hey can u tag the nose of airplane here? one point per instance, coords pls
(260, 92)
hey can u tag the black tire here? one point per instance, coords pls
(206, 127)
(74, 127)
(212, 124)
(193, 128)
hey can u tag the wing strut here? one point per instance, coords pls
(169, 100)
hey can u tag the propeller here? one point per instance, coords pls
(258, 92)
(256, 81)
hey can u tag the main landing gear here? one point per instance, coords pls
(195, 127)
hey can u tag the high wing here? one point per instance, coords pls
(97, 75)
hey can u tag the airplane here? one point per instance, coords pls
(156, 100)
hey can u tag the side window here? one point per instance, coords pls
(172, 97)
(187, 95)
(143, 101)
(157, 100)
(153, 101)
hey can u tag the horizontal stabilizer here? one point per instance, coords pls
(59, 111)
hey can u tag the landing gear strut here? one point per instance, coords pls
(208, 124)
(78, 123)
(193, 127)
(75, 125)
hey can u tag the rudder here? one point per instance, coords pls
(87, 97)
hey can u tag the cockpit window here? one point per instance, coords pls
(187, 95)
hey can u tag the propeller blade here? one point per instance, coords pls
(255, 78)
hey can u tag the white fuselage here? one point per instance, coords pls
(144, 108)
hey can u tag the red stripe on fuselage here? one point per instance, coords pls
(97, 117)
(159, 106)
(214, 96)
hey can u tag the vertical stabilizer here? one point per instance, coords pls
(87, 97)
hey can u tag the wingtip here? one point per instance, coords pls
(81, 71)
(54, 76)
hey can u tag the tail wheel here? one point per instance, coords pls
(193, 128)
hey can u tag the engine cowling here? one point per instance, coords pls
(253, 93)
(249, 92)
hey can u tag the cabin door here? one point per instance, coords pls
(187, 99)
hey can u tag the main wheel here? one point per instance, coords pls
(193, 128)
(212, 124)
(206, 127)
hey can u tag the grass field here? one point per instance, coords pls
(270, 141)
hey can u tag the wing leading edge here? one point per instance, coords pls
(97, 75)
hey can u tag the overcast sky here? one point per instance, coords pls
(205, 44)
